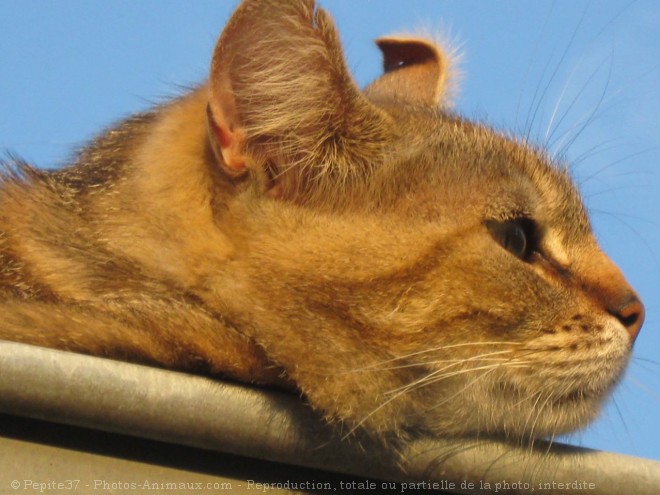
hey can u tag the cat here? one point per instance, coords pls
(406, 270)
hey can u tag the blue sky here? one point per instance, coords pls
(575, 73)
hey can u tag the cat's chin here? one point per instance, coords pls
(517, 415)
(527, 426)
(520, 415)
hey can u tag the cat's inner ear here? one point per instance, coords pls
(227, 135)
(282, 105)
(416, 71)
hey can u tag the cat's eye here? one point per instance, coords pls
(516, 235)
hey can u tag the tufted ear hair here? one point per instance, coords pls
(283, 107)
(415, 72)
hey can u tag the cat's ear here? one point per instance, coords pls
(416, 71)
(282, 104)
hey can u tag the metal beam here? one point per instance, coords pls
(197, 411)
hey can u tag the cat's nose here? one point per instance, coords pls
(630, 312)
(603, 280)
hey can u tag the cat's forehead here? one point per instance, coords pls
(480, 171)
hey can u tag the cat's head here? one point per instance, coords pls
(407, 268)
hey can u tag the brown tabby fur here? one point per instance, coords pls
(279, 226)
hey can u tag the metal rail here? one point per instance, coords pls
(196, 411)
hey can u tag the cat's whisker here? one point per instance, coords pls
(425, 363)
(622, 89)
(642, 239)
(597, 149)
(434, 377)
(456, 362)
(621, 417)
(613, 163)
(549, 129)
(540, 412)
(534, 411)
(525, 399)
(536, 105)
(635, 187)
(551, 440)
(379, 364)
(636, 360)
(551, 132)
(455, 346)
(584, 123)
(529, 70)
(460, 392)
(645, 388)
(437, 379)
(399, 394)
(432, 362)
